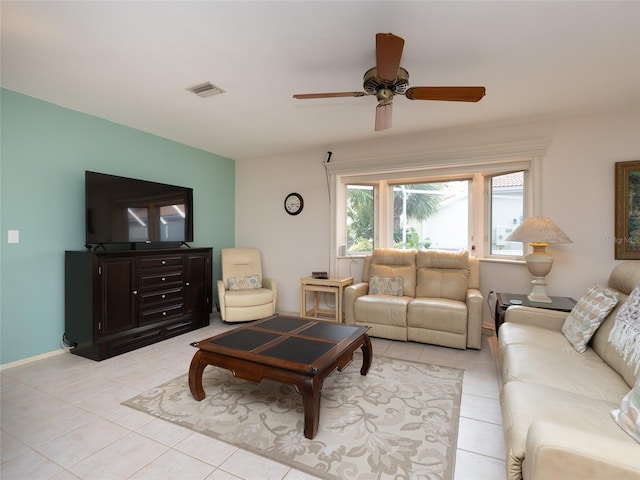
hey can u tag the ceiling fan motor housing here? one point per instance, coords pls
(372, 83)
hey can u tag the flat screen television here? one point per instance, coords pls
(138, 212)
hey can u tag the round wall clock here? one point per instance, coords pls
(293, 203)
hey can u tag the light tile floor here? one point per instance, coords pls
(61, 418)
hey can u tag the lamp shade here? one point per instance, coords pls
(538, 230)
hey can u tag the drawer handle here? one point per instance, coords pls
(163, 279)
(163, 262)
(187, 284)
(164, 296)
(164, 314)
(135, 292)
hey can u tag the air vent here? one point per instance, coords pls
(206, 89)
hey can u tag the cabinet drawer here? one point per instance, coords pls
(160, 262)
(158, 315)
(179, 328)
(148, 281)
(175, 295)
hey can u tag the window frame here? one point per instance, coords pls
(475, 160)
(480, 208)
(488, 220)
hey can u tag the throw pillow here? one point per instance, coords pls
(245, 283)
(587, 315)
(628, 415)
(625, 334)
(385, 285)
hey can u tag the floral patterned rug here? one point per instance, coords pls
(398, 421)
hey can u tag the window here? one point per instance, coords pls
(360, 219)
(444, 212)
(431, 215)
(507, 212)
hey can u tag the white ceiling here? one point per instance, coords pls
(130, 62)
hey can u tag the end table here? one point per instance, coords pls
(503, 301)
(333, 285)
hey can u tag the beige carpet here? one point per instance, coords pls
(399, 421)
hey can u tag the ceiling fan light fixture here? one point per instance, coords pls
(383, 116)
(384, 96)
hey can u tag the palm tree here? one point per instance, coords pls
(413, 202)
(359, 218)
(409, 202)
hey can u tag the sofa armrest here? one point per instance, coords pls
(539, 317)
(351, 293)
(475, 304)
(559, 452)
(270, 284)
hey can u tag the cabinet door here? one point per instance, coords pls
(197, 284)
(118, 292)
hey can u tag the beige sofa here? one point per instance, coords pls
(556, 402)
(439, 304)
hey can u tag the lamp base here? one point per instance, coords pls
(539, 293)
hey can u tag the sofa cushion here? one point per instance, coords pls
(539, 355)
(388, 262)
(628, 415)
(385, 285)
(438, 314)
(442, 259)
(437, 283)
(442, 274)
(525, 403)
(625, 334)
(383, 309)
(245, 283)
(587, 315)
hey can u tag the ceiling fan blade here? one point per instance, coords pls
(383, 116)
(388, 53)
(306, 96)
(450, 94)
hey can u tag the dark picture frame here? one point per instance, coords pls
(627, 214)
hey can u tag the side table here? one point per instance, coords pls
(503, 301)
(333, 285)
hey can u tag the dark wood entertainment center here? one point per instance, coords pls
(117, 301)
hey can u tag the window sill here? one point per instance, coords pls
(512, 261)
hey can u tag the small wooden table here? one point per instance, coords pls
(290, 350)
(333, 285)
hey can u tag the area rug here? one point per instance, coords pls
(398, 421)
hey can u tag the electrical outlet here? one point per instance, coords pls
(14, 236)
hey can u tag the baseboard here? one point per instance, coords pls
(33, 359)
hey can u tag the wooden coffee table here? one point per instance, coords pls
(296, 351)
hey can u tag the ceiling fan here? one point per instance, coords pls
(388, 78)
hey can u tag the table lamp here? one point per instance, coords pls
(539, 232)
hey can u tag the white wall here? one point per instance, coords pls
(577, 183)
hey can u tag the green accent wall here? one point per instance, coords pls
(44, 152)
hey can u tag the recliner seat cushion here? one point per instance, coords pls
(440, 314)
(248, 298)
(382, 309)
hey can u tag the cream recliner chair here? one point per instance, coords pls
(244, 294)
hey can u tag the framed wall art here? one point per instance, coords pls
(627, 214)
